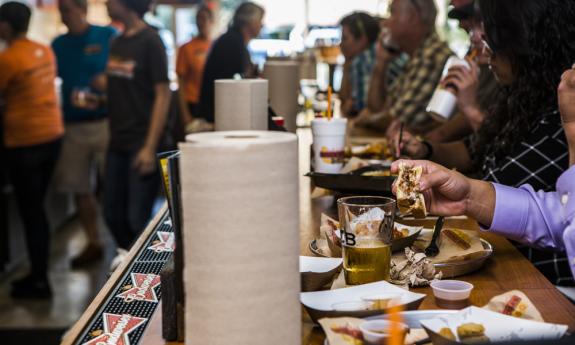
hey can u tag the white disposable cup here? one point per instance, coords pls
(328, 144)
(443, 102)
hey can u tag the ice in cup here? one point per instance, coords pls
(366, 238)
(328, 144)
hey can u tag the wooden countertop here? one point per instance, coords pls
(506, 270)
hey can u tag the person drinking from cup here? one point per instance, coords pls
(522, 140)
(474, 86)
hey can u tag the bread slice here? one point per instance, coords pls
(409, 199)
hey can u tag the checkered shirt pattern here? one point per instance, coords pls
(361, 72)
(409, 95)
(539, 160)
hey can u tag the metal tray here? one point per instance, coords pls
(355, 183)
(459, 268)
(450, 270)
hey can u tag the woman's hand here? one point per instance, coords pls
(449, 193)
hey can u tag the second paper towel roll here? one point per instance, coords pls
(283, 79)
(241, 226)
(241, 104)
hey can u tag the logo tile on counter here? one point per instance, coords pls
(142, 289)
(165, 244)
(116, 329)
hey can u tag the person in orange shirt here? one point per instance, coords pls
(190, 66)
(33, 128)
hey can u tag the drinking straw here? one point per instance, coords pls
(329, 103)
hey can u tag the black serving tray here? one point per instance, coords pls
(354, 183)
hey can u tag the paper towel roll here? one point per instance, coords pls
(283, 79)
(241, 104)
(241, 226)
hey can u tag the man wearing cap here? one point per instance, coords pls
(138, 101)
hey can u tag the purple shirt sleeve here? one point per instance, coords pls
(543, 220)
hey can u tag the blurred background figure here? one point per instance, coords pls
(33, 130)
(190, 66)
(229, 56)
(82, 56)
(359, 34)
(138, 101)
(359, 31)
(410, 29)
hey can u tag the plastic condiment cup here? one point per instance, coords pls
(451, 294)
(375, 331)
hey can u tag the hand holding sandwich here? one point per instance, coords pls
(449, 193)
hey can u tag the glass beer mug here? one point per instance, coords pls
(366, 238)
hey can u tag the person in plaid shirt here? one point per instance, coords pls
(411, 29)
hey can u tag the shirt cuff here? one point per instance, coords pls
(566, 193)
(511, 211)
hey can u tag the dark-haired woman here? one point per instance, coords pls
(530, 43)
(359, 33)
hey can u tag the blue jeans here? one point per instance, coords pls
(128, 197)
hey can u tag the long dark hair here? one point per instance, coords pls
(538, 38)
